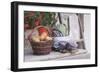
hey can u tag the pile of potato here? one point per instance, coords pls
(41, 37)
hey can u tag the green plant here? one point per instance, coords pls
(39, 18)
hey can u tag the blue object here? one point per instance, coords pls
(63, 45)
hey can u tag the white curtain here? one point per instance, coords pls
(74, 27)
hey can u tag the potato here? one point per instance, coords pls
(42, 37)
(35, 39)
(48, 38)
(44, 34)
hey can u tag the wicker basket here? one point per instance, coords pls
(42, 47)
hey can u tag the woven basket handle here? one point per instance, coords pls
(29, 36)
